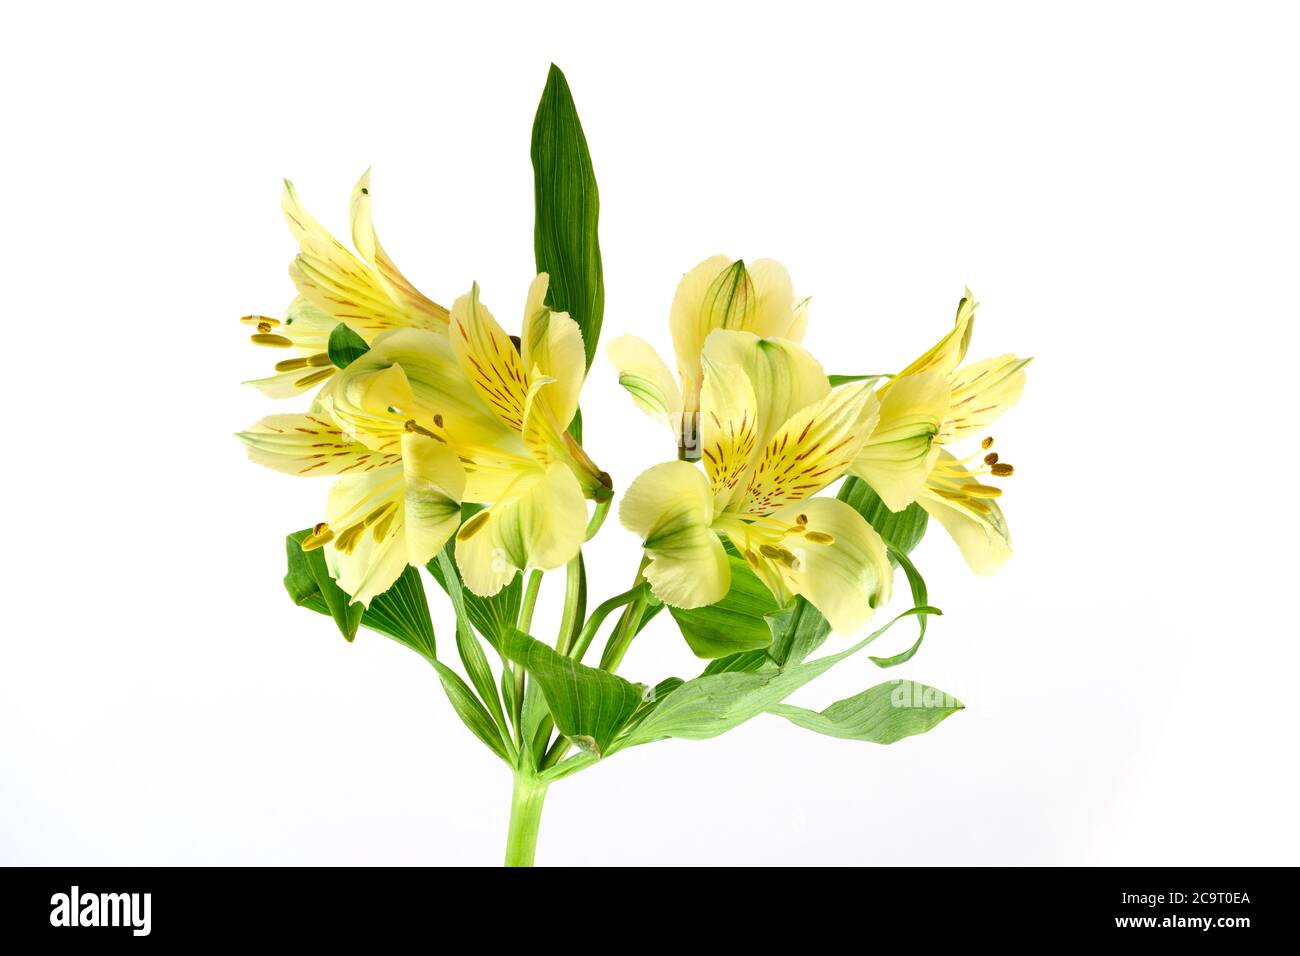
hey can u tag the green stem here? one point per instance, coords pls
(524, 623)
(602, 611)
(525, 818)
(573, 605)
(598, 517)
(621, 639)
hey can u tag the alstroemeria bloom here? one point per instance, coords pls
(934, 402)
(369, 294)
(717, 294)
(502, 412)
(387, 509)
(774, 434)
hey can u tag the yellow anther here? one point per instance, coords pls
(259, 320)
(802, 520)
(981, 491)
(319, 376)
(275, 341)
(987, 443)
(820, 537)
(413, 426)
(319, 360)
(381, 527)
(1003, 471)
(473, 526)
(991, 458)
(320, 535)
(288, 365)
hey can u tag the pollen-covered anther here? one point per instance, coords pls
(270, 339)
(987, 443)
(1003, 471)
(416, 428)
(991, 458)
(259, 320)
(288, 365)
(981, 491)
(320, 535)
(778, 553)
(312, 378)
(319, 360)
(820, 537)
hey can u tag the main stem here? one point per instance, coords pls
(525, 818)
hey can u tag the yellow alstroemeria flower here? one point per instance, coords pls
(717, 294)
(369, 294)
(934, 402)
(385, 511)
(502, 411)
(774, 434)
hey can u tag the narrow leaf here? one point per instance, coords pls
(471, 652)
(567, 208)
(470, 710)
(838, 380)
(492, 616)
(882, 714)
(920, 596)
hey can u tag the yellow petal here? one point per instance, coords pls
(901, 452)
(814, 447)
(309, 445)
(334, 280)
(839, 564)
(539, 523)
(368, 552)
(785, 376)
(698, 308)
(773, 313)
(489, 360)
(949, 351)
(398, 288)
(728, 430)
(975, 522)
(435, 484)
(981, 392)
(643, 373)
(551, 347)
(670, 506)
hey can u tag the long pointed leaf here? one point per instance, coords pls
(881, 715)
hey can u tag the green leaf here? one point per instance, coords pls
(882, 714)
(590, 706)
(920, 596)
(568, 207)
(575, 426)
(797, 631)
(715, 703)
(345, 346)
(735, 623)
(903, 529)
(470, 710)
(402, 613)
(309, 583)
(492, 616)
(471, 652)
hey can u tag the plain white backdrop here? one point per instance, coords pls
(1116, 182)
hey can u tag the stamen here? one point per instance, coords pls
(820, 537)
(275, 341)
(309, 380)
(778, 553)
(348, 538)
(413, 426)
(802, 520)
(320, 535)
(987, 443)
(259, 320)
(1003, 471)
(264, 327)
(381, 527)
(437, 420)
(288, 365)
(991, 458)
(319, 360)
(981, 491)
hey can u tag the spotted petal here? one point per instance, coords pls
(309, 445)
(981, 392)
(729, 430)
(812, 449)
(948, 352)
(419, 309)
(551, 348)
(785, 376)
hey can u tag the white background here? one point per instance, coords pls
(1117, 183)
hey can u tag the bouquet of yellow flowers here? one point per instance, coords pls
(456, 447)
